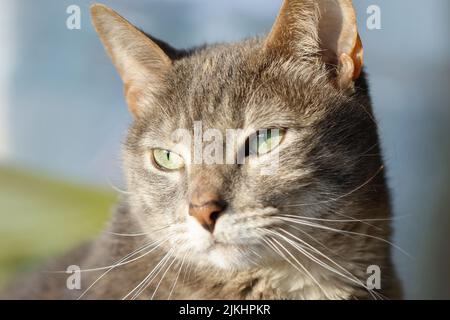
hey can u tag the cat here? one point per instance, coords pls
(310, 229)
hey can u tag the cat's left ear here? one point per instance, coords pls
(140, 62)
(326, 28)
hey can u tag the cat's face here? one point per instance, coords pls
(317, 140)
(322, 136)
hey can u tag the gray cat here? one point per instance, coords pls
(191, 226)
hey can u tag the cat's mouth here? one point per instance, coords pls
(218, 245)
(226, 247)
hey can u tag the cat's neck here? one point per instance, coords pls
(280, 281)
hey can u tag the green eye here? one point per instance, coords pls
(167, 160)
(265, 141)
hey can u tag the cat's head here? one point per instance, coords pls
(231, 144)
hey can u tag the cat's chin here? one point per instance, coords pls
(227, 257)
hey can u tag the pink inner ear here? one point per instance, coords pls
(337, 27)
(330, 29)
(132, 95)
(358, 58)
(338, 34)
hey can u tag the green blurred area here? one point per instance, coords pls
(41, 217)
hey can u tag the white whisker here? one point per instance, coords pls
(162, 277)
(315, 225)
(305, 270)
(120, 261)
(114, 187)
(351, 277)
(178, 275)
(342, 196)
(140, 287)
(137, 234)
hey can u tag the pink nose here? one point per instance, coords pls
(207, 208)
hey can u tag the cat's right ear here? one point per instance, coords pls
(326, 29)
(140, 62)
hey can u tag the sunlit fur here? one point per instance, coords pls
(330, 152)
(309, 231)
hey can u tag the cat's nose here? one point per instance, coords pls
(207, 210)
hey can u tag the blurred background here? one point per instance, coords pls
(63, 118)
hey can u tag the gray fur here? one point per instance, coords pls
(330, 168)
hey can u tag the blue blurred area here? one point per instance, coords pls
(66, 116)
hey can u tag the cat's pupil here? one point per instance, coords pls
(247, 147)
(253, 142)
